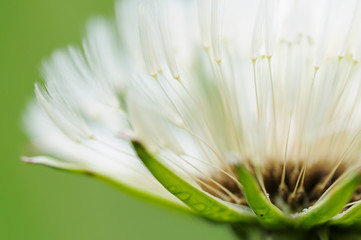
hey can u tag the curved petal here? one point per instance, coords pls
(332, 202)
(267, 213)
(351, 216)
(196, 199)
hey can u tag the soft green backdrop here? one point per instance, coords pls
(41, 203)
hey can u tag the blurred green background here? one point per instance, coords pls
(41, 203)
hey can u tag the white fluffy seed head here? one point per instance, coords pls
(260, 81)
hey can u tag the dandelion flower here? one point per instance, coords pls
(241, 112)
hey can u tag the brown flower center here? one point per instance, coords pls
(300, 188)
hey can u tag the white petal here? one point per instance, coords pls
(96, 158)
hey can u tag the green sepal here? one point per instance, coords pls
(268, 214)
(198, 200)
(350, 217)
(331, 204)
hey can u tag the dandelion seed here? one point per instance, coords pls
(244, 112)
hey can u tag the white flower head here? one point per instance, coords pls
(238, 111)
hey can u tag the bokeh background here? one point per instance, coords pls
(41, 203)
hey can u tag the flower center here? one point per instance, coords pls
(296, 190)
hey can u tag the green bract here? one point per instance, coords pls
(199, 201)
